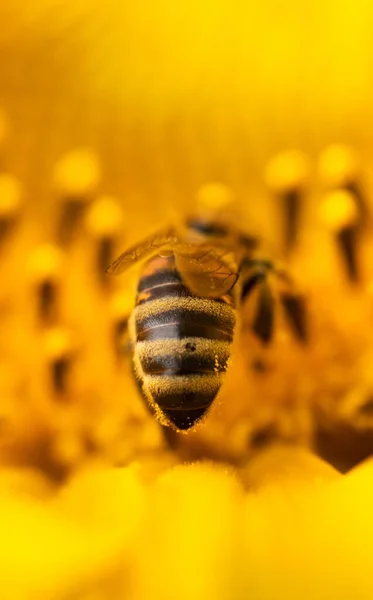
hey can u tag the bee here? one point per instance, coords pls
(193, 282)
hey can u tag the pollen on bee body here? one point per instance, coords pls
(201, 382)
(175, 347)
(193, 306)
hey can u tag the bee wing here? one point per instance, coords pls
(208, 271)
(151, 245)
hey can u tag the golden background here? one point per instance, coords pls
(176, 94)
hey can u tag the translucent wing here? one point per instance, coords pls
(208, 271)
(151, 245)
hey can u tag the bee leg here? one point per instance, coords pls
(263, 322)
(293, 303)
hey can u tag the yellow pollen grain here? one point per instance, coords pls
(105, 217)
(214, 196)
(338, 210)
(45, 263)
(338, 165)
(58, 342)
(287, 171)
(77, 174)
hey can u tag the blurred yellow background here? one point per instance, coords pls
(173, 94)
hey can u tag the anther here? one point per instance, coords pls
(10, 202)
(339, 214)
(45, 274)
(339, 169)
(287, 177)
(76, 178)
(59, 352)
(104, 222)
(216, 198)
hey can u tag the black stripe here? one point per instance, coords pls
(184, 400)
(184, 363)
(158, 278)
(186, 316)
(168, 282)
(179, 331)
(186, 322)
(184, 419)
(171, 290)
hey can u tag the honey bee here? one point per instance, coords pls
(193, 282)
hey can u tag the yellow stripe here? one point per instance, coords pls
(171, 384)
(189, 304)
(167, 347)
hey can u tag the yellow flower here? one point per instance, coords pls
(289, 525)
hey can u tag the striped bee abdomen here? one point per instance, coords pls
(181, 345)
(184, 317)
(183, 357)
(183, 399)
